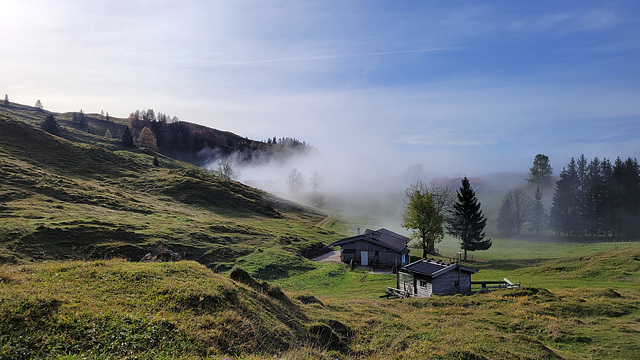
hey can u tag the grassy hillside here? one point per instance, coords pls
(117, 309)
(69, 206)
(66, 200)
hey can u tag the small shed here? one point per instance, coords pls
(427, 277)
(374, 248)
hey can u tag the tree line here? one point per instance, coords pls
(169, 134)
(593, 198)
(598, 198)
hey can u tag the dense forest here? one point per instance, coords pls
(598, 198)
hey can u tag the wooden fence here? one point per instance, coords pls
(493, 285)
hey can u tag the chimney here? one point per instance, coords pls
(358, 231)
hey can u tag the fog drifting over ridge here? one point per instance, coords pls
(460, 88)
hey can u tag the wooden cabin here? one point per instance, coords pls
(374, 248)
(427, 277)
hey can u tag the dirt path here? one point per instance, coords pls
(333, 256)
(326, 221)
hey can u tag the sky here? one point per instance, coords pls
(456, 87)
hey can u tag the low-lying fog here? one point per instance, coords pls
(368, 190)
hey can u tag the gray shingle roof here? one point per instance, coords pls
(382, 237)
(435, 268)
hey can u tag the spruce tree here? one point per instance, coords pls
(127, 138)
(467, 221)
(50, 125)
(537, 223)
(6, 99)
(565, 208)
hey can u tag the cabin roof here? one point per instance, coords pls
(382, 237)
(435, 268)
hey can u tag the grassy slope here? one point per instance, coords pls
(119, 309)
(68, 200)
(590, 311)
(116, 309)
(65, 200)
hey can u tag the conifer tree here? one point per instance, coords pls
(467, 221)
(50, 125)
(538, 220)
(541, 170)
(6, 99)
(565, 209)
(107, 134)
(127, 138)
(39, 106)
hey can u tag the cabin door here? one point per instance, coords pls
(364, 258)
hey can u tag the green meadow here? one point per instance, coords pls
(78, 212)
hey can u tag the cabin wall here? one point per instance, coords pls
(424, 285)
(385, 256)
(445, 284)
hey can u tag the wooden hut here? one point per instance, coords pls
(374, 248)
(427, 277)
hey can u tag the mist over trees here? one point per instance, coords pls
(539, 220)
(227, 170)
(315, 180)
(202, 145)
(295, 181)
(516, 210)
(598, 198)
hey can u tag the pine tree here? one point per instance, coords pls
(6, 99)
(155, 161)
(565, 208)
(541, 170)
(626, 190)
(39, 106)
(538, 221)
(50, 125)
(107, 134)
(127, 138)
(594, 196)
(467, 221)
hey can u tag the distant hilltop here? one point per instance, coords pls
(197, 144)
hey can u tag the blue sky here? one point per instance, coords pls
(461, 87)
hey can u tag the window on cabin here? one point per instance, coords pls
(406, 278)
(422, 283)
